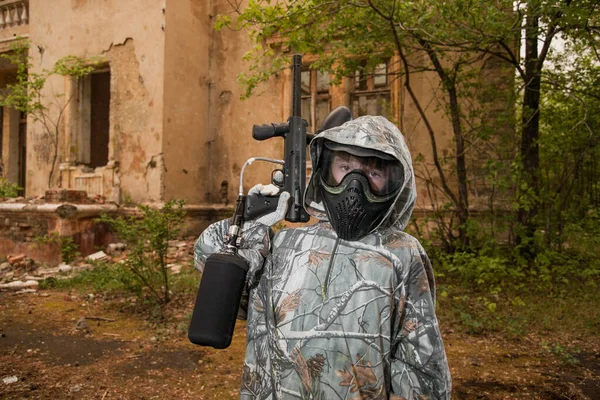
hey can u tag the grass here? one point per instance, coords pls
(115, 281)
(562, 312)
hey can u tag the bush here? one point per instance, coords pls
(485, 271)
(9, 189)
(148, 236)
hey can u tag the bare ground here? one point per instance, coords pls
(48, 352)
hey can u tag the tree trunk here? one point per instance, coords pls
(530, 154)
(462, 207)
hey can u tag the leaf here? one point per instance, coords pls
(359, 375)
(289, 303)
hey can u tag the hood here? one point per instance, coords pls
(371, 133)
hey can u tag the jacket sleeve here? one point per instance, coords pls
(254, 248)
(419, 365)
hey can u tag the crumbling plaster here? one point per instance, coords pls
(229, 142)
(178, 127)
(131, 39)
(186, 99)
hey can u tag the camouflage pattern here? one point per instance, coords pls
(336, 319)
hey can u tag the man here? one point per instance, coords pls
(344, 308)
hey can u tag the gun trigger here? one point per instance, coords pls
(277, 178)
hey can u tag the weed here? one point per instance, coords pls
(148, 236)
(558, 350)
(102, 277)
(8, 189)
(66, 244)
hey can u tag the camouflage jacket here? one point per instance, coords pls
(336, 319)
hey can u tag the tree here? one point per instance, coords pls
(27, 93)
(456, 38)
(345, 34)
(570, 148)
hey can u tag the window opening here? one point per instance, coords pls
(99, 118)
(316, 102)
(1, 142)
(370, 94)
(22, 158)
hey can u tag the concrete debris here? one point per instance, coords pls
(21, 274)
(116, 247)
(82, 325)
(47, 271)
(62, 267)
(20, 261)
(75, 389)
(10, 379)
(98, 256)
(175, 268)
(15, 259)
(26, 291)
(17, 285)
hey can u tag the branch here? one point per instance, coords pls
(417, 104)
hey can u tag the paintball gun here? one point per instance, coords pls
(224, 276)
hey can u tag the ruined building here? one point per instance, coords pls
(161, 117)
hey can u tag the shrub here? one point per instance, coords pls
(147, 236)
(8, 189)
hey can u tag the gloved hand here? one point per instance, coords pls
(256, 243)
(282, 205)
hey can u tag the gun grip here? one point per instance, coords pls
(258, 205)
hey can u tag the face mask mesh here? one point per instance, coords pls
(350, 216)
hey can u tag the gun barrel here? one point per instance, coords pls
(296, 87)
(295, 149)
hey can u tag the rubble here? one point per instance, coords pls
(116, 247)
(10, 379)
(17, 285)
(15, 259)
(22, 275)
(62, 267)
(98, 256)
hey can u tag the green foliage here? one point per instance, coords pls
(102, 277)
(550, 271)
(8, 189)
(516, 312)
(28, 93)
(558, 350)
(466, 44)
(147, 236)
(482, 270)
(66, 244)
(117, 279)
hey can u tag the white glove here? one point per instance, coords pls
(282, 206)
(265, 190)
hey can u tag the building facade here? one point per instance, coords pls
(161, 116)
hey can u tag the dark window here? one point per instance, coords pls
(315, 98)
(370, 92)
(22, 152)
(99, 118)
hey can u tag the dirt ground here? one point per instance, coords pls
(49, 351)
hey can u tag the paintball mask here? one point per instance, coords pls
(358, 187)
